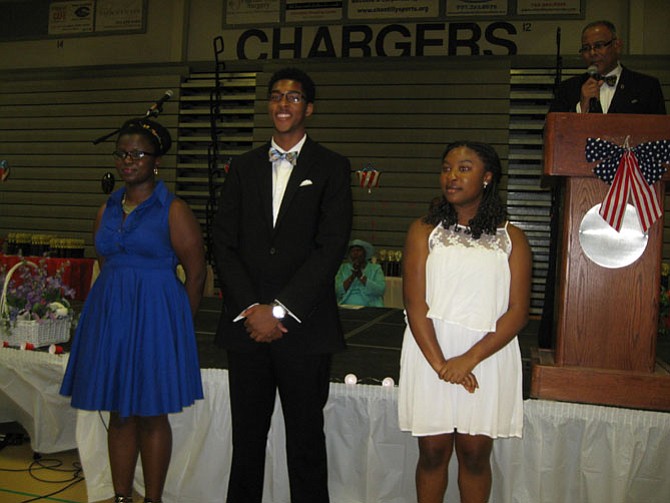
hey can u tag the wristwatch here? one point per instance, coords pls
(278, 311)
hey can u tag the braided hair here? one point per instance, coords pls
(491, 212)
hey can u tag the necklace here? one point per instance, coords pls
(127, 208)
(465, 229)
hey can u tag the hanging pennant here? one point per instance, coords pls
(226, 165)
(368, 177)
(4, 170)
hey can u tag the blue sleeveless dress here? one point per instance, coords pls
(134, 350)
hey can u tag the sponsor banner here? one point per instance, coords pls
(71, 17)
(548, 7)
(476, 7)
(252, 11)
(313, 10)
(392, 9)
(117, 15)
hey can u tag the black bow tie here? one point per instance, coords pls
(610, 80)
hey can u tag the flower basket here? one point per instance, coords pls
(36, 332)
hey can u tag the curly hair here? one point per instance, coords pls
(491, 212)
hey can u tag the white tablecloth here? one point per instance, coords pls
(29, 383)
(569, 452)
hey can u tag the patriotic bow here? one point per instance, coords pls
(631, 172)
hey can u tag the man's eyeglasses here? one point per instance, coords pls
(291, 96)
(598, 46)
(135, 155)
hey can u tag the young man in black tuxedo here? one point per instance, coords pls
(612, 88)
(280, 234)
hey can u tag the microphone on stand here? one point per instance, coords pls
(157, 107)
(153, 111)
(594, 105)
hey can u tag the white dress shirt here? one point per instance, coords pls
(281, 172)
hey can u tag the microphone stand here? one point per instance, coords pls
(105, 137)
(214, 173)
(153, 112)
(559, 61)
(546, 327)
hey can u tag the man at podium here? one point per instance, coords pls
(607, 86)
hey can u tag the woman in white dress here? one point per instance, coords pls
(466, 281)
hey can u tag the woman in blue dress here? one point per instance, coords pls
(134, 353)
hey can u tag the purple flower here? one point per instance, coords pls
(35, 291)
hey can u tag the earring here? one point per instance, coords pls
(156, 171)
(486, 184)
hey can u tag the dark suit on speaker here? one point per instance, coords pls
(294, 262)
(636, 93)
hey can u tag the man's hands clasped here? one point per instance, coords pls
(261, 325)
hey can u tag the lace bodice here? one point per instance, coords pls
(468, 280)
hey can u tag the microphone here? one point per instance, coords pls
(157, 107)
(593, 72)
(593, 102)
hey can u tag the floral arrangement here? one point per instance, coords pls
(36, 295)
(664, 302)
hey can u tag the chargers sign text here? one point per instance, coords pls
(352, 41)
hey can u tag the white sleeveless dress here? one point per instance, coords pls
(467, 290)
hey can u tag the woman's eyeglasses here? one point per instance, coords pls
(135, 155)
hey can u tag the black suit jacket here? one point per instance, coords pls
(294, 262)
(636, 93)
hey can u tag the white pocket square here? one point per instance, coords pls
(305, 183)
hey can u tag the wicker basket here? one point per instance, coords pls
(43, 333)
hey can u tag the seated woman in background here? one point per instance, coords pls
(360, 282)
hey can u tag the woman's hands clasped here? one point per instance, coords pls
(458, 370)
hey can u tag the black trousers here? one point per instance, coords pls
(303, 382)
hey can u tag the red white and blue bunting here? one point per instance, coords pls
(631, 172)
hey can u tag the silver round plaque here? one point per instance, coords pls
(607, 247)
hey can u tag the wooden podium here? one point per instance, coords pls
(606, 319)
